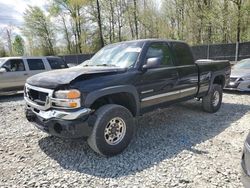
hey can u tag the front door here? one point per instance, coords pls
(157, 85)
(15, 76)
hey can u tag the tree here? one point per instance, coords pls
(238, 3)
(18, 46)
(56, 11)
(2, 50)
(99, 22)
(136, 19)
(38, 27)
(74, 8)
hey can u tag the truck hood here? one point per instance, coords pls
(53, 79)
(239, 73)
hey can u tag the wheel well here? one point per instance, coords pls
(124, 99)
(220, 80)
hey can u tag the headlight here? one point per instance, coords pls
(246, 78)
(68, 94)
(67, 98)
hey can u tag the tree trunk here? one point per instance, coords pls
(225, 22)
(99, 23)
(9, 41)
(66, 35)
(112, 19)
(136, 20)
(239, 21)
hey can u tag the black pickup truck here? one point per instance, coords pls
(100, 98)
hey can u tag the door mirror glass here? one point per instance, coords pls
(154, 62)
(2, 70)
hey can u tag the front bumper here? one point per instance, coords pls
(61, 123)
(245, 166)
(238, 86)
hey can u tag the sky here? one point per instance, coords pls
(11, 12)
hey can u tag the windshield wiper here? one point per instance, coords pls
(106, 65)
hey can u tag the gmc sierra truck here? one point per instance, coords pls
(100, 98)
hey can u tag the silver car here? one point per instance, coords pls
(15, 70)
(240, 76)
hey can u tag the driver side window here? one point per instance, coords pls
(14, 65)
(160, 50)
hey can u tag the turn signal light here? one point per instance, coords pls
(73, 94)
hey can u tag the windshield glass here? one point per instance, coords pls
(117, 55)
(244, 64)
(2, 60)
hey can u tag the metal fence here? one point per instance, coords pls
(76, 59)
(215, 51)
(229, 52)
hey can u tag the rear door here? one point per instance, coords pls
(36, 65)
(158, 85)
(187, 69)
(15, 76)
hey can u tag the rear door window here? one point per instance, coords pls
(183, 54)
(56, 63)
(36, 64)
(14, 65)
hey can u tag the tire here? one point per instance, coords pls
(212, 102)
(107, 137)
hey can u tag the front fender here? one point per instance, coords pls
(94, 95)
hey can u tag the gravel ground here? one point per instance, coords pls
(180, 146)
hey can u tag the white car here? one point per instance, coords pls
(15, 70)
(240, 76)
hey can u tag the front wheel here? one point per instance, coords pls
(113, 130)
(212, 102)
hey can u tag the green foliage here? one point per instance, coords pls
(18, 46)
(3, 52)
(39, 29)
(82, 26)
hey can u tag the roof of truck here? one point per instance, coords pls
(30, 57)
(148, 40)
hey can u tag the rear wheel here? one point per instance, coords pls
(212, 102)
(113, 130)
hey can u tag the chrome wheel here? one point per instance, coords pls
(216, 98)
(115, 131)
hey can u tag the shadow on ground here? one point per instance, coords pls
(10, 97)
(160, 135)
(237, 92)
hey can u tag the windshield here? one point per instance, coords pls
(244, 64)
(2, 60)
(117, 55)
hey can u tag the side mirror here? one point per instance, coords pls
(154, 62)
(2, 70)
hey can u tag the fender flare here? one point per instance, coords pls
(94, 95)
(214, 75)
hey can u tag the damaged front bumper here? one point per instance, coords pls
(60, 123)
(67, 123)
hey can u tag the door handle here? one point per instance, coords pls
(25, 74)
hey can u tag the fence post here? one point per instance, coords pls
(208, 51)
(236, 51)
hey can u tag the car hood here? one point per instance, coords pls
(53, 79)
(239, 73)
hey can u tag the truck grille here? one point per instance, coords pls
(233, 79)
(37, 96)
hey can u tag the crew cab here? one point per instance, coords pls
(15, 70)
(100, 98)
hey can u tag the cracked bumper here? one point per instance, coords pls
(61, 123)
